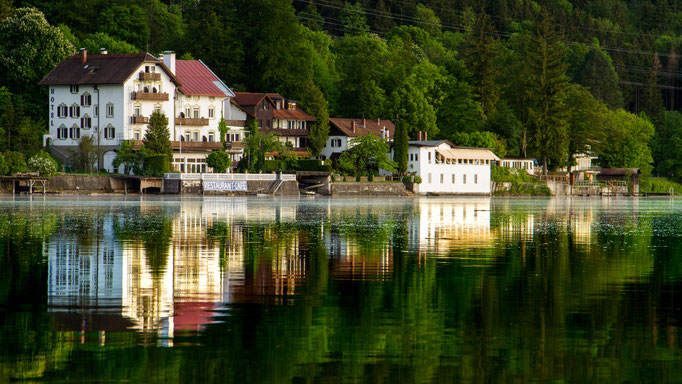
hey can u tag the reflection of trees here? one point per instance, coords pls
(153, 229)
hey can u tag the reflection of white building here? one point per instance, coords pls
(442, 225)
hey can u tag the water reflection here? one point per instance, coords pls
(414, 290)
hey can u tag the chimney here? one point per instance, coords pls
(425, 139)
(378, 121)
(364, 123)
(169, 60)
(420, 136)
(352, 126)
(103, 51)
(84, 55)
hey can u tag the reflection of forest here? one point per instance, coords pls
(385, 291)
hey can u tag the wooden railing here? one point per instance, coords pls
(150, 76)
(190, 121)
(150, 96)
(139, 119)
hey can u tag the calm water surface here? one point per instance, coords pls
(254, 290)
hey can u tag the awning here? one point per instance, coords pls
(468, 153)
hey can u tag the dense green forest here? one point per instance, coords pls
(544, 78)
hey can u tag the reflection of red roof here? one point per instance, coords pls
(192, 316)
(362, 126)
(197, 79)
(297, 114)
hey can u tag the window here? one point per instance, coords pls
(411, 157)
(416, 157)
(86, 122)
(429, 157)
(110, 110)
(62, 111)
(110, 132)
(464, 179)
(453, 178)
(186, 136)
(62, 132)
(211, 137)
(136, 135)
(196, 113)
(74, 132)
(429, 178)
(195, 136)
(475, 179)
(74, 110)
(211, 113)
(136, 111)
(86, 99)
(73, 88)
(441, 178)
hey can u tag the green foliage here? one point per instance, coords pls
(368, 153)
(668, 146)
(131, 160)
(649, 184)
(156, 165)
(42, 163)
(86, 154)
(417, 179)
(257, 145)
(3, 165)
(15, 162)
(223, 129)
(113, 45)
(157, 137)
(313, 102)
(353, 19)
(522, 184)
(220, 161)
(29, 49)
(598, 75)
(128, 23)
(626, 143)
(401, 146)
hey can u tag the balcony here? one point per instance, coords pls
(146, 76)
(150, 96)
(189, 121)
(139, 120)
(189, 146)
(287, 132)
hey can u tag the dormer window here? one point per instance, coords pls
(292, 106)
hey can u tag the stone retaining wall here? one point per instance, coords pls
(79, 183)
(368, 189)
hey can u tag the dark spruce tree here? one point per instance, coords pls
(157, 138)
(548, 85)
(314, 103)
(400, 146)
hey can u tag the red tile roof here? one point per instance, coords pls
(100, 69)
(247, 99)
(198, 80)
(362, 126)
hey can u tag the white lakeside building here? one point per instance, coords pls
(447, 169)
(110, 97)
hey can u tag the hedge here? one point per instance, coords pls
(156, 165)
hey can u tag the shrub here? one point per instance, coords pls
(407, 180)
(15, 162)
(43, 163)
(370, 177)
(156, 165)
(417, 179)
(219, 161)
(275, 165)
(357, 177)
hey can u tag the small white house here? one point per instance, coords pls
(447, 169)
(528, 164)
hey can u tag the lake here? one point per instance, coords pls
(327, 290)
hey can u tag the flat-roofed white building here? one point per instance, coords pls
(527, 164)
(448, 169)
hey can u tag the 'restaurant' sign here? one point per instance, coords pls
(225, 185)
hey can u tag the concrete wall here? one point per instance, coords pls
(79, 183)
(368, 189)
(288, 188)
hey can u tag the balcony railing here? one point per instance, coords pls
(150, 96)
(287, 132)
(150, 76)
(139, 119)
(189, 121)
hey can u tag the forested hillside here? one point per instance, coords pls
(534, 78)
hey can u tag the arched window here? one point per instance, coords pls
(62, 111)
(154, 90)
(74, 110)
(146, 89)
(62, 132)
(74, 132)
(86, 99)
(86, 122)
(109, 132)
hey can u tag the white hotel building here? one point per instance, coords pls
(110, 97)
(447, 169)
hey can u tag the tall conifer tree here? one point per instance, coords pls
(480, 52)
(548, 112)
(400, 146)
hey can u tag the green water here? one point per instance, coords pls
(340, 290)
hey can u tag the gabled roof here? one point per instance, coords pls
(248, 99)
(362, 126)
(297, 114)
(198, 80)
(101, 69)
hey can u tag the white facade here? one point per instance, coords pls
(446, 169)
(335, 144)
(109, 113)
(526, 164)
